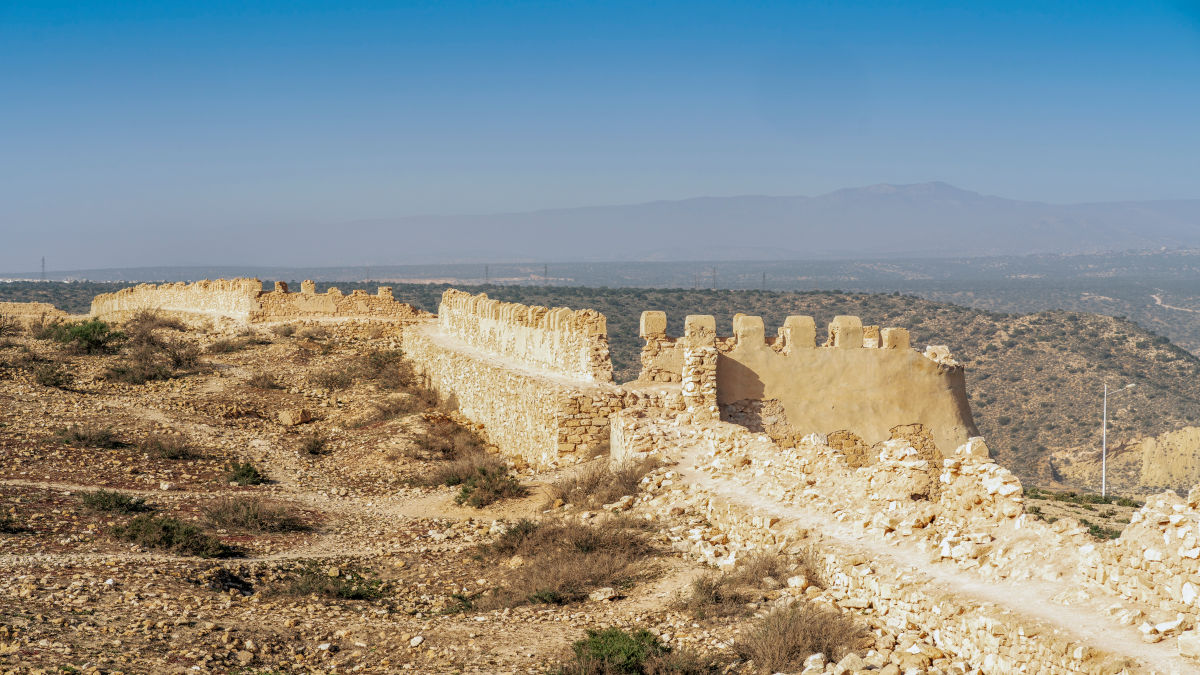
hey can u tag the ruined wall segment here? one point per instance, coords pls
(31, 310)
(243, 300)
(235, 299)
(572, 343)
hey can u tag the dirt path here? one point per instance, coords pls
(1085, 621)
(1159, 301)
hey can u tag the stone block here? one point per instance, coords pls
(846, 332)
(653, 324)
(294, 416)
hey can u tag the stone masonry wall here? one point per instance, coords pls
(538, 420)
(560, 341)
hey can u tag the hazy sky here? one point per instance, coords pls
(132, 117)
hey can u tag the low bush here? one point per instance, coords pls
(9, 326)
(226, 346)
(245, 473)
(388, 369)
(283, 330)
(51, 375)
(345, 585)
(314, 333)
(564, 561)
(727, 594)
(89, 437)
(263, 380)
(112, 501)
(314, 444)
(488, 485)
(615, 651)
(331, 378)
(86, 337)
(600, 483)
(782, 639)
(253, 515)
(169, 534)
(10, 525)
(165, 446)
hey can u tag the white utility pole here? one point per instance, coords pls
(1104, 442)
(1104, 447)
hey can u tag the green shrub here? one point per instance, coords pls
(245, 473)
(613, 651)
(169, 534)
(87, 337)
(487, 486)
(114, 502)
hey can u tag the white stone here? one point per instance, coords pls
(416, 641)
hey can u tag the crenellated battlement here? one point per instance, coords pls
(243, 300)
(862, 378)
(572, 343)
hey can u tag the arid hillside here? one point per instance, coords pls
(1035, 380)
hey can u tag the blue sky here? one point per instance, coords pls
(139, 115)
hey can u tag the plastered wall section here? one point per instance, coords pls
(862, 378)
(573, 343)
(541, 419)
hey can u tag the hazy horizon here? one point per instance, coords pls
(210, 133)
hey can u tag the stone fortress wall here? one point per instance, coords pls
(561, 341)
(780, 443)
(243, 300)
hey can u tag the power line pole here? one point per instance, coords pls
(714, 275)
(546, 274)
(1104, 447)
(43, 268)
(764, 285)
(487, 275)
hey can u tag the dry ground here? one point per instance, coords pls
(386, 559)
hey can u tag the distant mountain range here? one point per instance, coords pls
(921, 220)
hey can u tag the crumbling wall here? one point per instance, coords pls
(863, 379)
(243, 300)
(235, 299)
(280, 304)
(560, 340)
(31, 310)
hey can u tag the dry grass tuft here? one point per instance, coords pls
(600, 483)
(254, 515)
(781, 640)
(564, 561)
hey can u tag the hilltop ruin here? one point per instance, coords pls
(851, 448)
